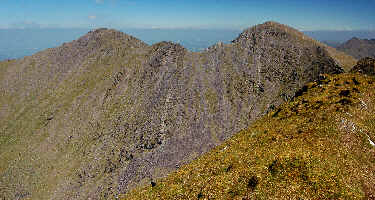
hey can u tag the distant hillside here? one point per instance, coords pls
(107, 112)
(359, 48)
(318, 146)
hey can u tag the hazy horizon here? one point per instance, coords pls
(234, 14)
(27, 27)
(17, 43)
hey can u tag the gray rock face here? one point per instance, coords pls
(203, 98)
(140, 112)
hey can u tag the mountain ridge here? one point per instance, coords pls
(97, 122)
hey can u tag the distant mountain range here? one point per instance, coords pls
(359, 48)
(106, 113)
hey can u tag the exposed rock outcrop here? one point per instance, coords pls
(365, 66)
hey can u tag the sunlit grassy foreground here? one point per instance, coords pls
(317, 146)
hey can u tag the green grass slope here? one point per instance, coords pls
(318, 146)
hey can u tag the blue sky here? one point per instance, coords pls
(226, 14)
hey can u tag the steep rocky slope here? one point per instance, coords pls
(359, 48)
(100, 115)
(344, 60)
(318, 146)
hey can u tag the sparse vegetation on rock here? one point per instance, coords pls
(365, 66)
(318, 146)
(103, 114)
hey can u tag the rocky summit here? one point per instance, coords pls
(98, 116)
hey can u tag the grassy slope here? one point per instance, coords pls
(315, 147)
(42, 136)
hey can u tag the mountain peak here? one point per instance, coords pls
(166, 53)
(358, 48)
(167, 44)
(274, 25)
(355, 38)
(109, 35)
(270, 29)
(353, 41)
(274, 34)
(99, 30)
(286, 44)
